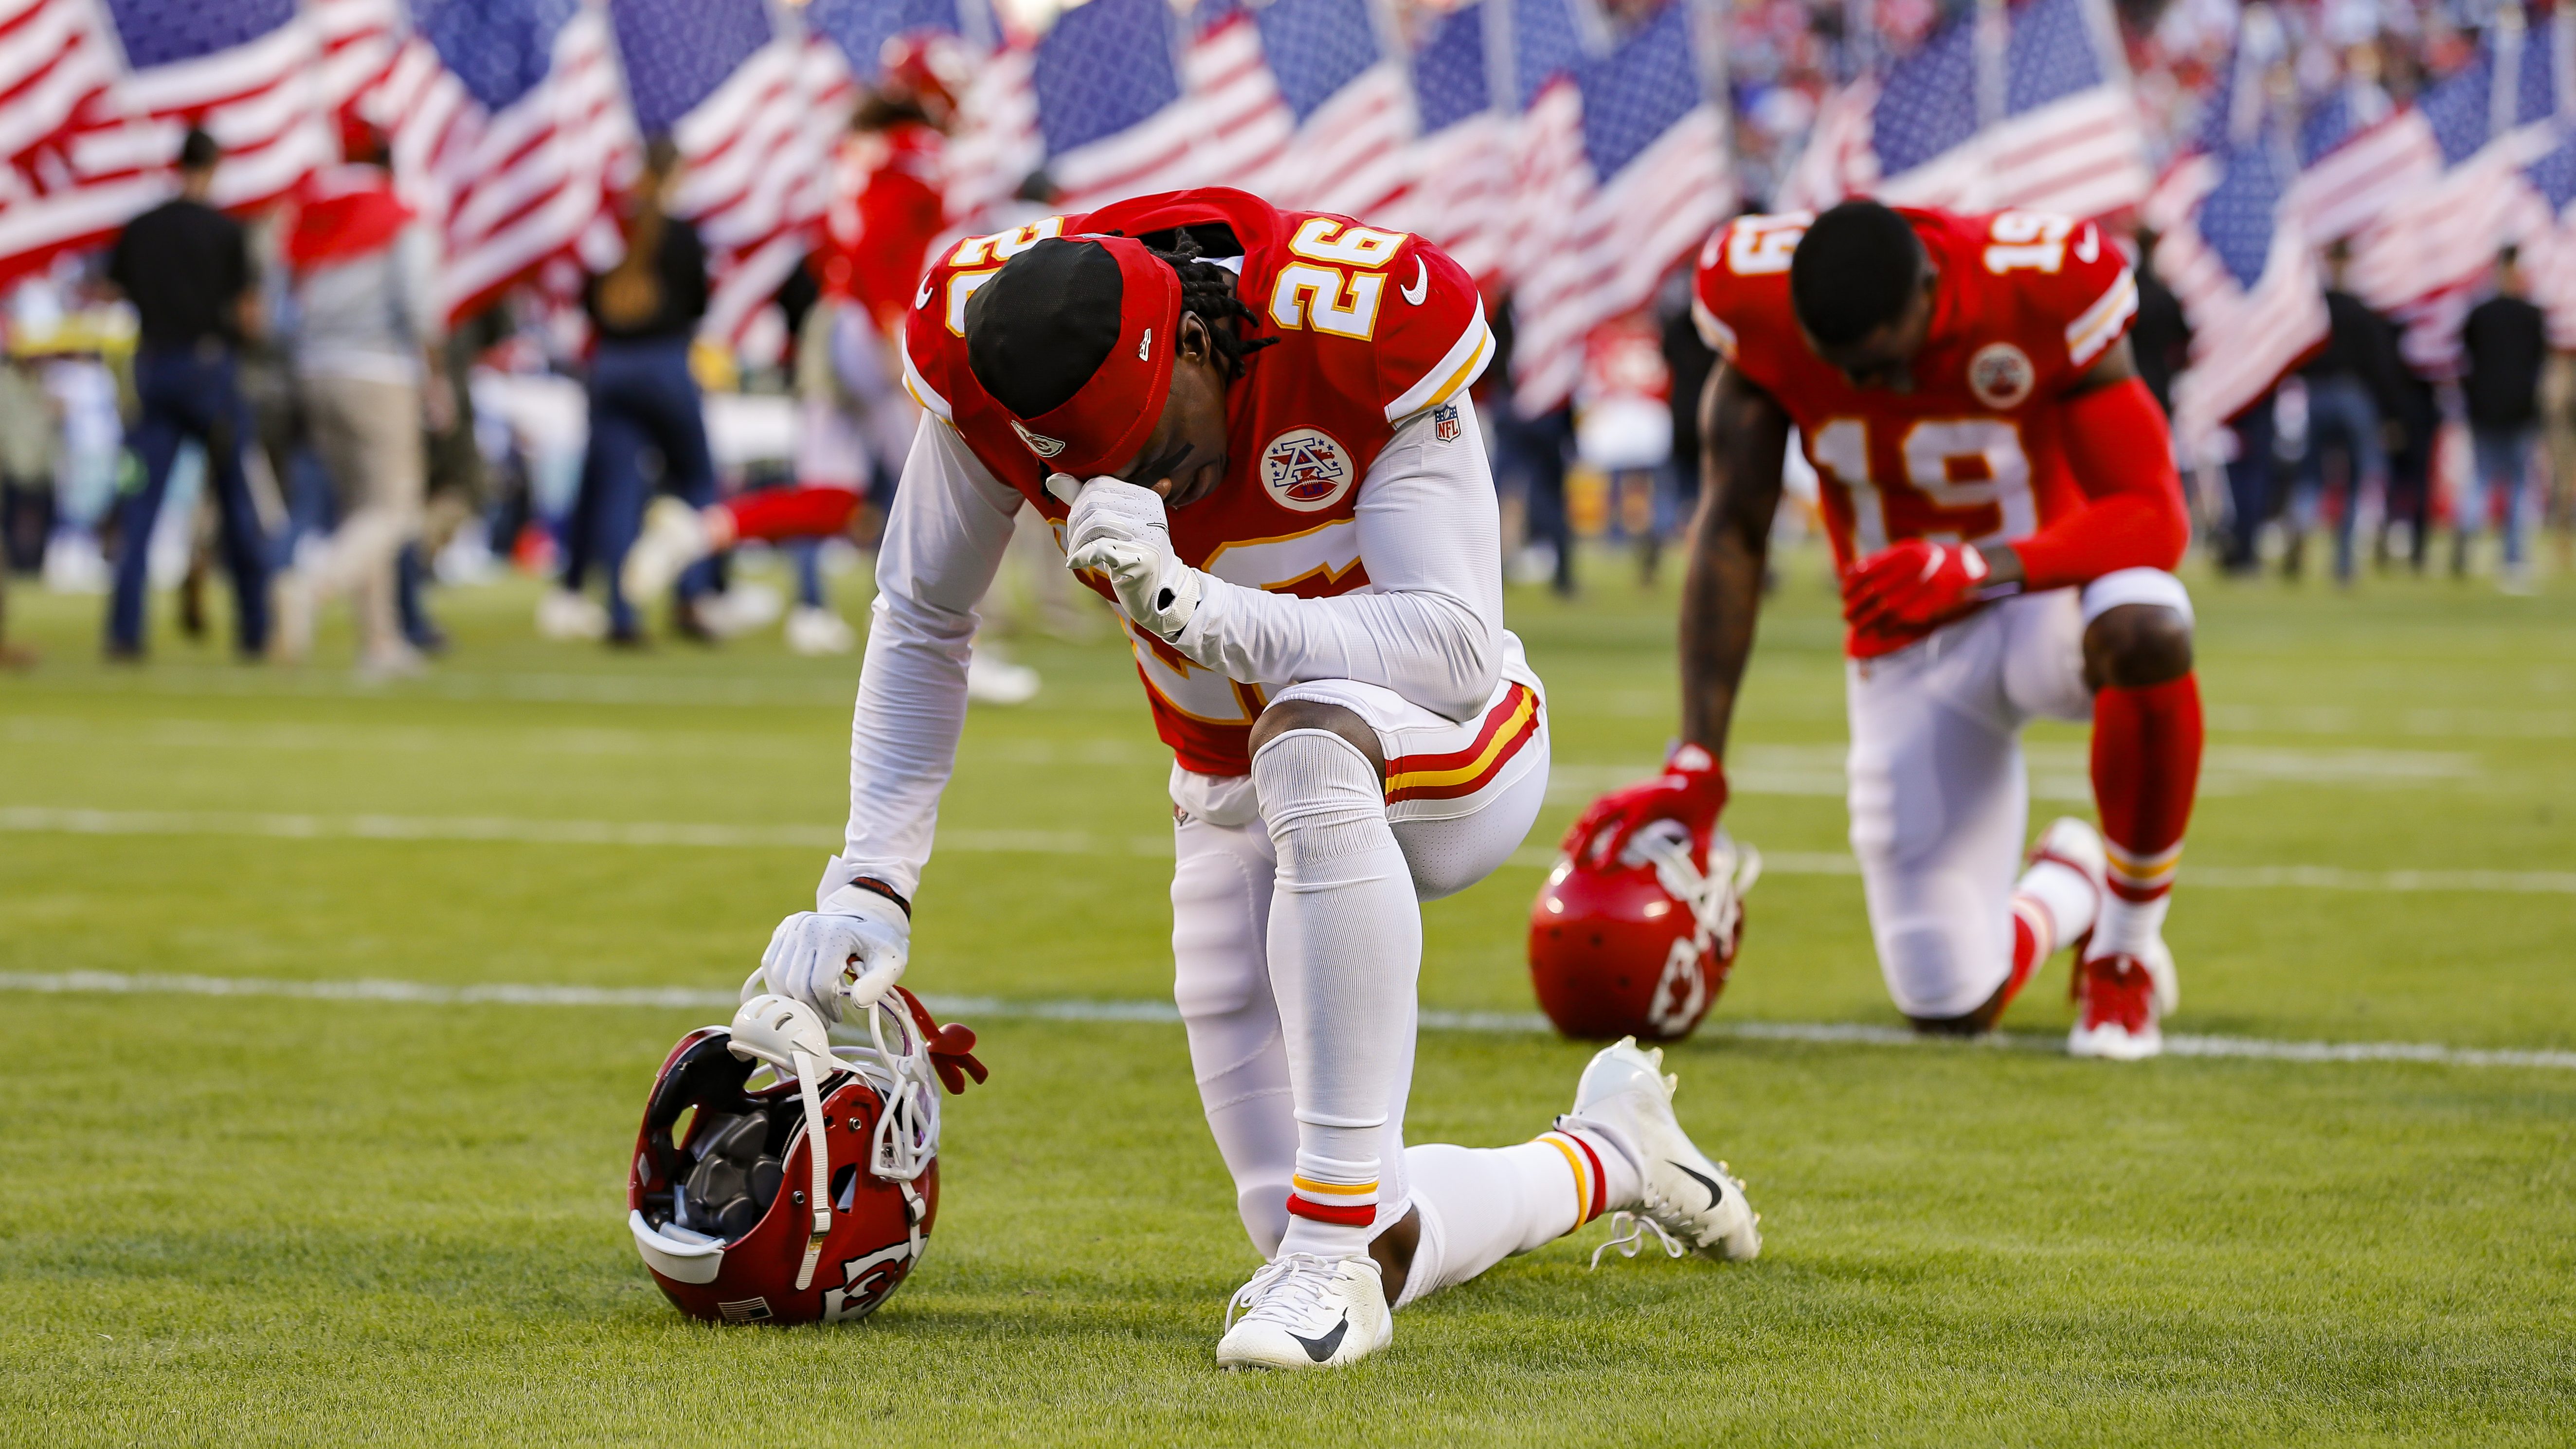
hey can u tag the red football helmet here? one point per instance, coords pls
(810, 1196)
(1639, 945)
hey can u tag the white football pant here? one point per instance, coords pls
(1940, 801)
(1333, 939)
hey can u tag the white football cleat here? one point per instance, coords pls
(2122, 1004)
(1303, 1312)
(812, 630)
(1687, 1198)
(991, 679)
(673, 538)
(568, 616)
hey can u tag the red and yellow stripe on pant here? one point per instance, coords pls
(1507, 728)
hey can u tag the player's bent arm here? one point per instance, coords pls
(944, 538)
(2120, 449)
(1745, 439)
(1431, 625)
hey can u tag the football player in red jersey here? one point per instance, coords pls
(1243, 425)
(2005, 516)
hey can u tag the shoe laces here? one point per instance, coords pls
(1289, 1289)
(1628, 1234)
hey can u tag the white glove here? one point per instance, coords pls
(841, 959)
(1122, 531)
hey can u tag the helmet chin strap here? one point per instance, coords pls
(809, 1069)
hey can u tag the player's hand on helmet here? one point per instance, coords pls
(841, 959)
(1692, 790)
(1121, 530)
(1913, 586)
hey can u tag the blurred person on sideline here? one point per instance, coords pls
(643, 313)
(1532, 453)
(855, 422)
(2410, 470)
(2352, 404)
(366, 353)
(187, 269)
(26, 482)
(2506, 339)
(2250, 491)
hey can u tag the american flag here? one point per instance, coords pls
(1241, 131)
(245, 70)
(506, 133)
(1348, 101)
(1461, 160)
(751, 109)
(2493, 118)
(2020, 106)
(2359, 157)
(2243, 270)
(1110, 103)
(1645, 182)
(2550, 252)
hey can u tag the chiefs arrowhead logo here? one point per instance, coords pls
(1039, 443)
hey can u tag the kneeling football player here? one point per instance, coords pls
(1245, 427)
(2005, 518)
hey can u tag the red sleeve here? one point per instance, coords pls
(1740, 289)
(1437, 342)
(2071, 276)
(2117, 444)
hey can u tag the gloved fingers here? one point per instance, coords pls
(879, 966)
(1114, 556)
(1065, 487)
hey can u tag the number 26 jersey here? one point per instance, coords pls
(2025, 303)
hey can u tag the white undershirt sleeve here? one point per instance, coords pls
(1430, 623)
(944, 538)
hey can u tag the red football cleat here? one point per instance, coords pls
(2124, 1001)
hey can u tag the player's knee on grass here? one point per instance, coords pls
(2135, 646)
(1968, 1023)
(1314, 714)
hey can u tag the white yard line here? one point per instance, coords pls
(975, 1008)
(47, 820)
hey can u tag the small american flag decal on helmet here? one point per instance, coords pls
(748, 1310)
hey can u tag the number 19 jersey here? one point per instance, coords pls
(2024, 305)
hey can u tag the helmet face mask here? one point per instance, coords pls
(720, 1211)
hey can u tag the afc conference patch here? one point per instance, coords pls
(1445, 424)
(1305, 470)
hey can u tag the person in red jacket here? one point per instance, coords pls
(2005, 515)
(857, 422)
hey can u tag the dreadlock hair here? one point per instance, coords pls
(1208, 291)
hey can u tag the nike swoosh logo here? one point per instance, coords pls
(1716, 1194)
(921, 298)
(1421, 283)
(1320, 1349)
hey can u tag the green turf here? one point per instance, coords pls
(244, 1220)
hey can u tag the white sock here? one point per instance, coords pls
(2063, 897)
(2128, 927)
(1482, 1205)
(1345, 949)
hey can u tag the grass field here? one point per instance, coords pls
(281, 1218)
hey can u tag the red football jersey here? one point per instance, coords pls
(1372, 328)
(2025, 305)
(885, 209)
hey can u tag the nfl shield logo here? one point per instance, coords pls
(1445, 424)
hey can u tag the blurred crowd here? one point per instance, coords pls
(278, 401)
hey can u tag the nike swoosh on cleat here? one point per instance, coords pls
(1320, 1349)
(1716, 1194)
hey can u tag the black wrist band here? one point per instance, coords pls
(869, 882)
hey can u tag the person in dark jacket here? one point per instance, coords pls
(2352, 394)
(186, 267)
(2160, 338)
(2507, 342)
(643, 311)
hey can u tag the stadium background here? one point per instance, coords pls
(328, 1007)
